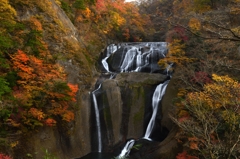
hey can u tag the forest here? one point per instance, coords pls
(204, 45)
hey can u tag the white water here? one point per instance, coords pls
(99, 136)
(157, 96)
(110, 50)
(133, 57)
(141, 60)
(126, 150)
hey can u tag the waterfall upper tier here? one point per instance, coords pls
(134, 57)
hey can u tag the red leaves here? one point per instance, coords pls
(2, 156)
(181, 32)
(201, 77)
(184, 155)
(100, 6)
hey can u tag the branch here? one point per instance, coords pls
(231, 150)
(204, 37)
(224, 28)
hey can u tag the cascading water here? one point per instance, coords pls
(135, 57)
(157, 96)
(110, 50)
(99, 136)
(126, 149)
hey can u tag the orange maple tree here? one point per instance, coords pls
(41, 91)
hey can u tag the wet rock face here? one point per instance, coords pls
(168, 147)
(138, 58)
(125, 106)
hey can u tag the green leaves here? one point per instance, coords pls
(4, 87)
(79, 4)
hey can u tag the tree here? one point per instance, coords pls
(209, 119)
(41, 92)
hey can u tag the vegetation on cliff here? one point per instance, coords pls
(38, 49)
(33, 87)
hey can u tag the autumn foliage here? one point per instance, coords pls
(210, 119)
(184, 155)
(41, 91)
(2, 156)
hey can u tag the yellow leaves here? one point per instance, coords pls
(236, 30)
(7, 12)
(58, 2)
(87, 12)
(194, 24)
(201, 6)
(176, 54)
(231, 117)
(224, 91)
(36, 24)
(14, 144)
(235, 10)
(176, 48)
(182, 92)
(116, 19)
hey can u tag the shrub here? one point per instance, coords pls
(210, 119)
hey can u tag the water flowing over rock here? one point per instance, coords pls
(136, 57)
(130, 89)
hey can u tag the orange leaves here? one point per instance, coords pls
(87, 12)
(36, 24)
(20, 56)
(68, 116)
(42, 85)
(193, 143)
(50, 122)
(34, 70)
(38, 114)
(74, 89)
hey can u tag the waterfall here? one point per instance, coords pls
(127, 148)
(97, 119)
(157, 96)
(136, 57)
(110, 50)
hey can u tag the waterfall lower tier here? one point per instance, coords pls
(99, 136)
(127, 148)
(157, 96)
